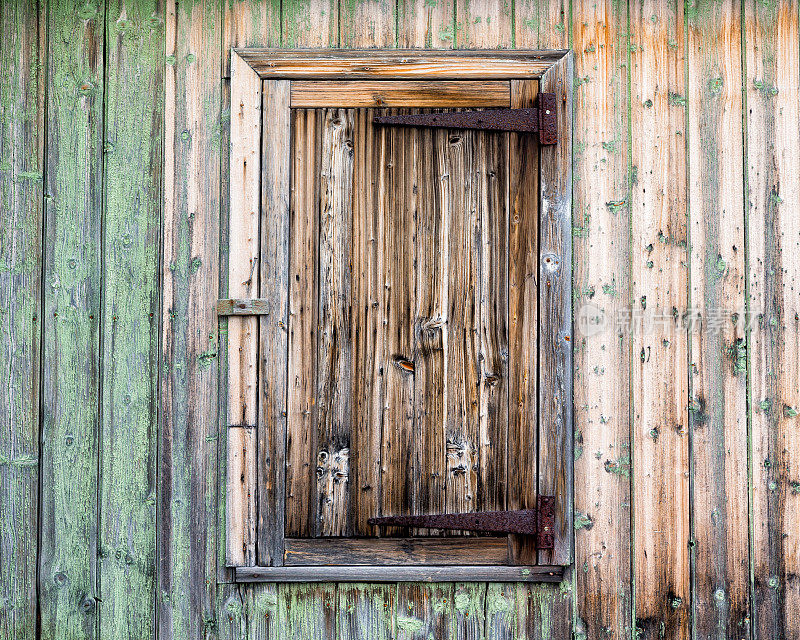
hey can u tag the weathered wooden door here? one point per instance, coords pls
(400, 329)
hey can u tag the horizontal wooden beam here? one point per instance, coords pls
(397, 551)
(400, 574)
(243, 307)
(413, 64)
(399, 93)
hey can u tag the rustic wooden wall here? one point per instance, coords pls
(113, 135)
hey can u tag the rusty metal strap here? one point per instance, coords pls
(243, 307)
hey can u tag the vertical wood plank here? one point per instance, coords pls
(484, 24)
(274, 282)
(365, 611)
(718, 403)
(334, 343)
(425, 24)
(423, 611)
(469, 611)
(303, 310)
(462, 339)
(244, 269)
(21, 165)
(541, 25)
(232, 617)
(246, 23)
(263, 612)
(368, 348)
(72, 306)
(601, 242)
(428, 452)
(773, 162)
(134, 117)
(523, 318)
(660, 338)
(491, 166)
(308, 611)
(367, 23)
(501, 610)
(310, 23)
(249, 23)
(399, 482)
(544, 611)
(185, 598)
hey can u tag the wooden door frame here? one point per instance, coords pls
(262, 109)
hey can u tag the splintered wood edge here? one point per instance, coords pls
(412, 64)
(536, 573)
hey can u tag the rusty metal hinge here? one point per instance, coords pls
(541, 119)
(537, 522)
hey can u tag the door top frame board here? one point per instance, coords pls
(398, 64)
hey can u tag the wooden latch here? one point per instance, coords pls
(537, 522)
(540, 119)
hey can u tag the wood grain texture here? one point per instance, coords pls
(772, 151)
(545, 610)
(332, 503)
(325, 64)
(244, 269)
(412, 574)
(303, 313)
(367, 23)
(21, 167)
(71, 361)
(402, 551)
(310, 23)
(365, 611)
(133, 192)
(718, 395)
(273, 328)
(187, 512)
(422, 24)
(601, 244)
(423, 611)
(309, 610)
(249, 23)
(484, 24)
(369, 314)
(399, 93)
(660, 382)
(523, 319)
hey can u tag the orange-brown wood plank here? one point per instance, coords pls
(303, 324)
(718, 401)
(601, 241)
(399, 93)
(660, 382)
(773, 164)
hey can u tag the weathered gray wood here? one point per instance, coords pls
(21, 164)
(133, 188)
(310, 23)
(423, 611)
(322, 64)
(244, 307)
(334, 339)
(469, 610)
(398, 551)
(501, 610)
(544, 611)
(71, 359)
(555, 316)
(187, 544)
(273, 328)
(429, 573)
(309, 611)
(365, 611)
(772, 156)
